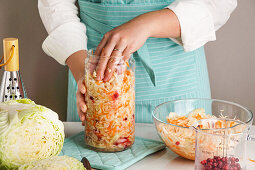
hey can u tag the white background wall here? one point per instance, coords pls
(231, 58)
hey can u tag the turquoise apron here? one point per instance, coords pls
(164, 71)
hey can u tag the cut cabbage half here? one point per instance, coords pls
(54, 163)
(28, 132)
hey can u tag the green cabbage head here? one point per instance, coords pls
(54, 163)
(28, 132)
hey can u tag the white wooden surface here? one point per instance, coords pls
(165, 159)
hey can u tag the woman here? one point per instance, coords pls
(166, 38)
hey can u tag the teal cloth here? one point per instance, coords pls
(75, 147)
(164, 71)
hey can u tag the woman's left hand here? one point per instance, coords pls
(121, 41)
(129, 37)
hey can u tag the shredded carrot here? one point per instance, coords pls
(125, 79)
(127, 64)
(126, 89)
(218, 124)
(251, 160)
(170, 139)
(198, 117)
(120, 106)
(231, 124)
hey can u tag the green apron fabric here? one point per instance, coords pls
(164, 71)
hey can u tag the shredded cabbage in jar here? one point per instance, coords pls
(110, 119)
(181, 139)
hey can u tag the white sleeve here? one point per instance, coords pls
(67, 34)
(200, 19)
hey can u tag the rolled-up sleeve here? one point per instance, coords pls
(200, 19)
(67, 34)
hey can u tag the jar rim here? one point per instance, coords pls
(90, 53)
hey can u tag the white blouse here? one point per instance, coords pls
(199, 20)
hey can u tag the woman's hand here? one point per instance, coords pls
(77, 65)
(129, 37)
(121, 41)
(80, 99)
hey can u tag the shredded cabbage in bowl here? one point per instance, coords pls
(110, 122)
(181, 139)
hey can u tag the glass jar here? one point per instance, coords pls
(110, 120)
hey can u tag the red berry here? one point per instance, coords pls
(177, 143)
(226, 167)
(115, 95)
(224, 159)
(209, 160)
(203, 162)
(220, 164)
(209, 166)
(215, 164)
(225, 163)
(233, 159)
(209, 163)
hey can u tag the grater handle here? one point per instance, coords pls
(9, 59)
(13, 63)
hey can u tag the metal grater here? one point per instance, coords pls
(12, 85)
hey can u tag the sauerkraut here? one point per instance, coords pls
(110, 119)
(181, 138)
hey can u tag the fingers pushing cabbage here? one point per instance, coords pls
(54, 163)
(28, 132)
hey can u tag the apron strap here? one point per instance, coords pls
(142, 53)
(144, 56)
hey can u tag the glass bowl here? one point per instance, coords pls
(181, 140)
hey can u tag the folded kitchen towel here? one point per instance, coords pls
(75, 147)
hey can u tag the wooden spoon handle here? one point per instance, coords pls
(86, 163)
